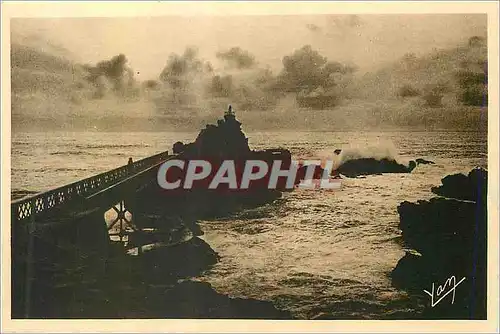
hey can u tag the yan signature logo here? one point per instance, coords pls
(442, 291)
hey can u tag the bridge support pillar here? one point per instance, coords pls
(119, 221)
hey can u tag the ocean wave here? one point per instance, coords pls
(92, 154)
(16, 194)
(31, 170)
(101, 146)
(48, 169)
(71, 169)
(72, 153)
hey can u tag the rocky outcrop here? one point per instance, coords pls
(224, 140)
(367, 165)
(446, 238)
(472, 187)
(67, 243)
(372, 166)
(421, 161)
(199, 300)
(153, 285)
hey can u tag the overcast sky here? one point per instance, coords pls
(366, 40)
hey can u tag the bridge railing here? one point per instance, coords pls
(26, 208)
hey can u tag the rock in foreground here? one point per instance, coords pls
(472, 187)
(450, 239)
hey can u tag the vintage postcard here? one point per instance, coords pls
(250, 166)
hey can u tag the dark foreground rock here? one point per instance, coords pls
(450, 240)
(155, 284)
(200, 300)
(472, 187)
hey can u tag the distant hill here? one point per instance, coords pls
(50, 92)
(415, 76)
(40, 85)
(34, 71)
(444, 89)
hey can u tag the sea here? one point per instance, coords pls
(309, 252)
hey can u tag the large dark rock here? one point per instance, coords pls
(472, 187)
(421, 161)
(224, 140)
(200, 300)
(154, 284)
(185, 259)
(372, 166)
(215, 144)
(448, 237)
(440, 226)
(72, 244)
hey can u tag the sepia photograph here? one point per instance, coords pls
(272, 166)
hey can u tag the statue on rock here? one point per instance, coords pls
(222, 140)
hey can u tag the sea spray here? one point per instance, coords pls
(383, 149)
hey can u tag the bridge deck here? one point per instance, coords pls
(25, 208)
